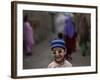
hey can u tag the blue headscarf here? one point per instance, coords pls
(69, 28)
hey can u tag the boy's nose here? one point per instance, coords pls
(57, 54)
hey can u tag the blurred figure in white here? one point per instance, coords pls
(60, 21)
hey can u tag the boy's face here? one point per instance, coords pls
(59, 54)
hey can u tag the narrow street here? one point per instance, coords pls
(42, 56)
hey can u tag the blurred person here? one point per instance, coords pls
(59, 51)
(28, 40)
(84, 34)
(60, 36)
(59, 22)
(70, 37)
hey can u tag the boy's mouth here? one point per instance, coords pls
(58, 57)
(59, 61)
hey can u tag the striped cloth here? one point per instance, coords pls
(57, 43)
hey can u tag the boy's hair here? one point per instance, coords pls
(58, 43)
(60, 35)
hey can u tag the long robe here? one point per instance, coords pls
(28, 40)
(69, 33)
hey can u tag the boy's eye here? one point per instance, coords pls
(54, 52)
(59, 51)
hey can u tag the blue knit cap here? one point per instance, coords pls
(57, 43)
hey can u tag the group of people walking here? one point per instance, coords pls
(75, 29)
(65, 44)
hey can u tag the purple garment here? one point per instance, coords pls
(69, 28)
(27, 37)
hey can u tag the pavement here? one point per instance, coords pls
(42, 56)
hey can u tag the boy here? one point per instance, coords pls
(59, 51)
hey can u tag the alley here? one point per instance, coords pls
(42, 56)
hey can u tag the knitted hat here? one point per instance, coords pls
(57, 43)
